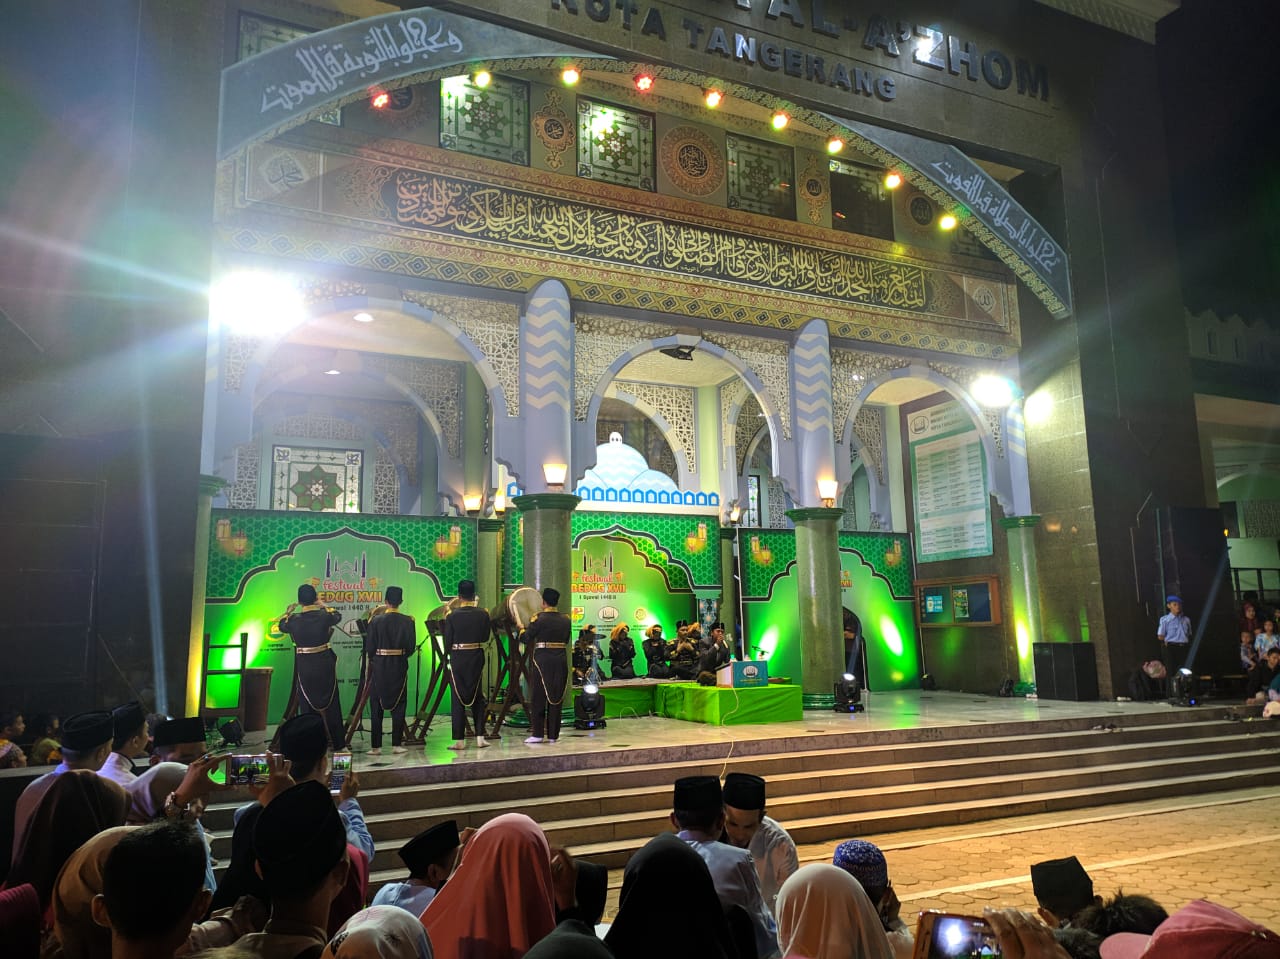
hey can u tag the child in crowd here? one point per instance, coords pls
(1248, 653)
(1268, 639)
(11, 729)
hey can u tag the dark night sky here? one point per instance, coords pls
(1220, 71)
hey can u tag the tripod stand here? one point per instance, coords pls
(510, 620)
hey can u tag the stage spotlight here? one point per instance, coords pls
(892, 181)
(588, 708)
(848, 695)
(232, 732)
(1183, 690)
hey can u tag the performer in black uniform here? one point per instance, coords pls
(466, 630)
(388, 643)
(655, 653)
(315, 665)
(622, 653)
(548, 637)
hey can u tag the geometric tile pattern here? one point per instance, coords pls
(860, 202)
(761, 177)
(765, 555)
(270, 535)
(770, 361)
(615, 145)
(319, 480)
(811, 372)
(547, 356)
(598, 341)
(490, 122)
(876, 550)
(692, 161)
(675, 404)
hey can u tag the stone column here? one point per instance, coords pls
(818, 599)
(548, 538)
(1024, 588)
(728, 584)
(489, 561)
(209, 488)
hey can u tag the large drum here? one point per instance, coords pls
(435, 619)
(517, 611)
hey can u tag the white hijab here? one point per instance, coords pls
(380, 932)
(823, 913)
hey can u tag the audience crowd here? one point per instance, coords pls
(110, 861)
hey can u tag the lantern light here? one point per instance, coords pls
(380, 99)
(780, 120)
(712, 97)
(892, 180)
(481, 79)
(570, 75)
(835, 145)
(644, 82)
(948, 221)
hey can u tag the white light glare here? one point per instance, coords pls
(994, 392)
(255, 303)
(591, 689)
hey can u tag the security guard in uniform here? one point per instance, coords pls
(388, 643)
(548, 638)
(466, 629)
(315, 665)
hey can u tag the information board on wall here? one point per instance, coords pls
(958, 604)
(949, 484)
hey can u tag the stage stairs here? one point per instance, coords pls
(605, 804)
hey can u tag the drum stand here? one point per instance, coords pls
(512, 666)
(437, 685)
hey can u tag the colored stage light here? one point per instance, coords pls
(569, 76)
(588, 708)
(948, 221)
(835, 145)
(712, 98)
(848, 695)
(780, 120)
(892, 181)
(379, 99)
(644, 82)
(481, 79)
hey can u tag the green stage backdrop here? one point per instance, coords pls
(258, 559)
(875, 583)
(634, 568)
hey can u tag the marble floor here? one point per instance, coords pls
(899, 710)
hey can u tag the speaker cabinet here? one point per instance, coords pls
(1065, 671)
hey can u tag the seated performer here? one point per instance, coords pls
(584, 651)
(655, 653)
(684, 664)
(622, 652)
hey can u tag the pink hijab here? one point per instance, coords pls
(500, 901)
(823, 913)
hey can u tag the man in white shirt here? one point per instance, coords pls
(698, 816)
(129, 740)
(749, 828)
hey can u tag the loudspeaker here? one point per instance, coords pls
(1065, 671)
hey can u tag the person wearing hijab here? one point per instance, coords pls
(823, 913)
(380, 932)
(500, 900)
(79, 805)
(666, 889)
(20, 922)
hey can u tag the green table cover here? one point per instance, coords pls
(774, 703)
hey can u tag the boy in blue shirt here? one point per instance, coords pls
(1174, 634)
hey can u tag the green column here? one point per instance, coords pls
(728, 585)
(548, 536)
(209, 487)
(818, 599)
(1024, 588)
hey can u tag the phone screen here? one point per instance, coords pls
(955, 937)
(247, 770)
(338, 771)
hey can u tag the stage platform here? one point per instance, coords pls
(691, 703)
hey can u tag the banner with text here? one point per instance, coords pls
(949, 484)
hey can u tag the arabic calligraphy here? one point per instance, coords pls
(443, 204)
(330, 67)
(982, 195)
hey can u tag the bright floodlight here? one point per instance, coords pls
(256, 303)
(591, 689)
(847, 677)
(994, 392)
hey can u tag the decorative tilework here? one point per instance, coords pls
(615, 145)
(692, 161)
(766, 555)
(491, 122)
(887, 554)
(552, 127)
(269, 536)
(860, 203)
(316, 479)
(676, 405)
(761, 177)
(815, 190)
